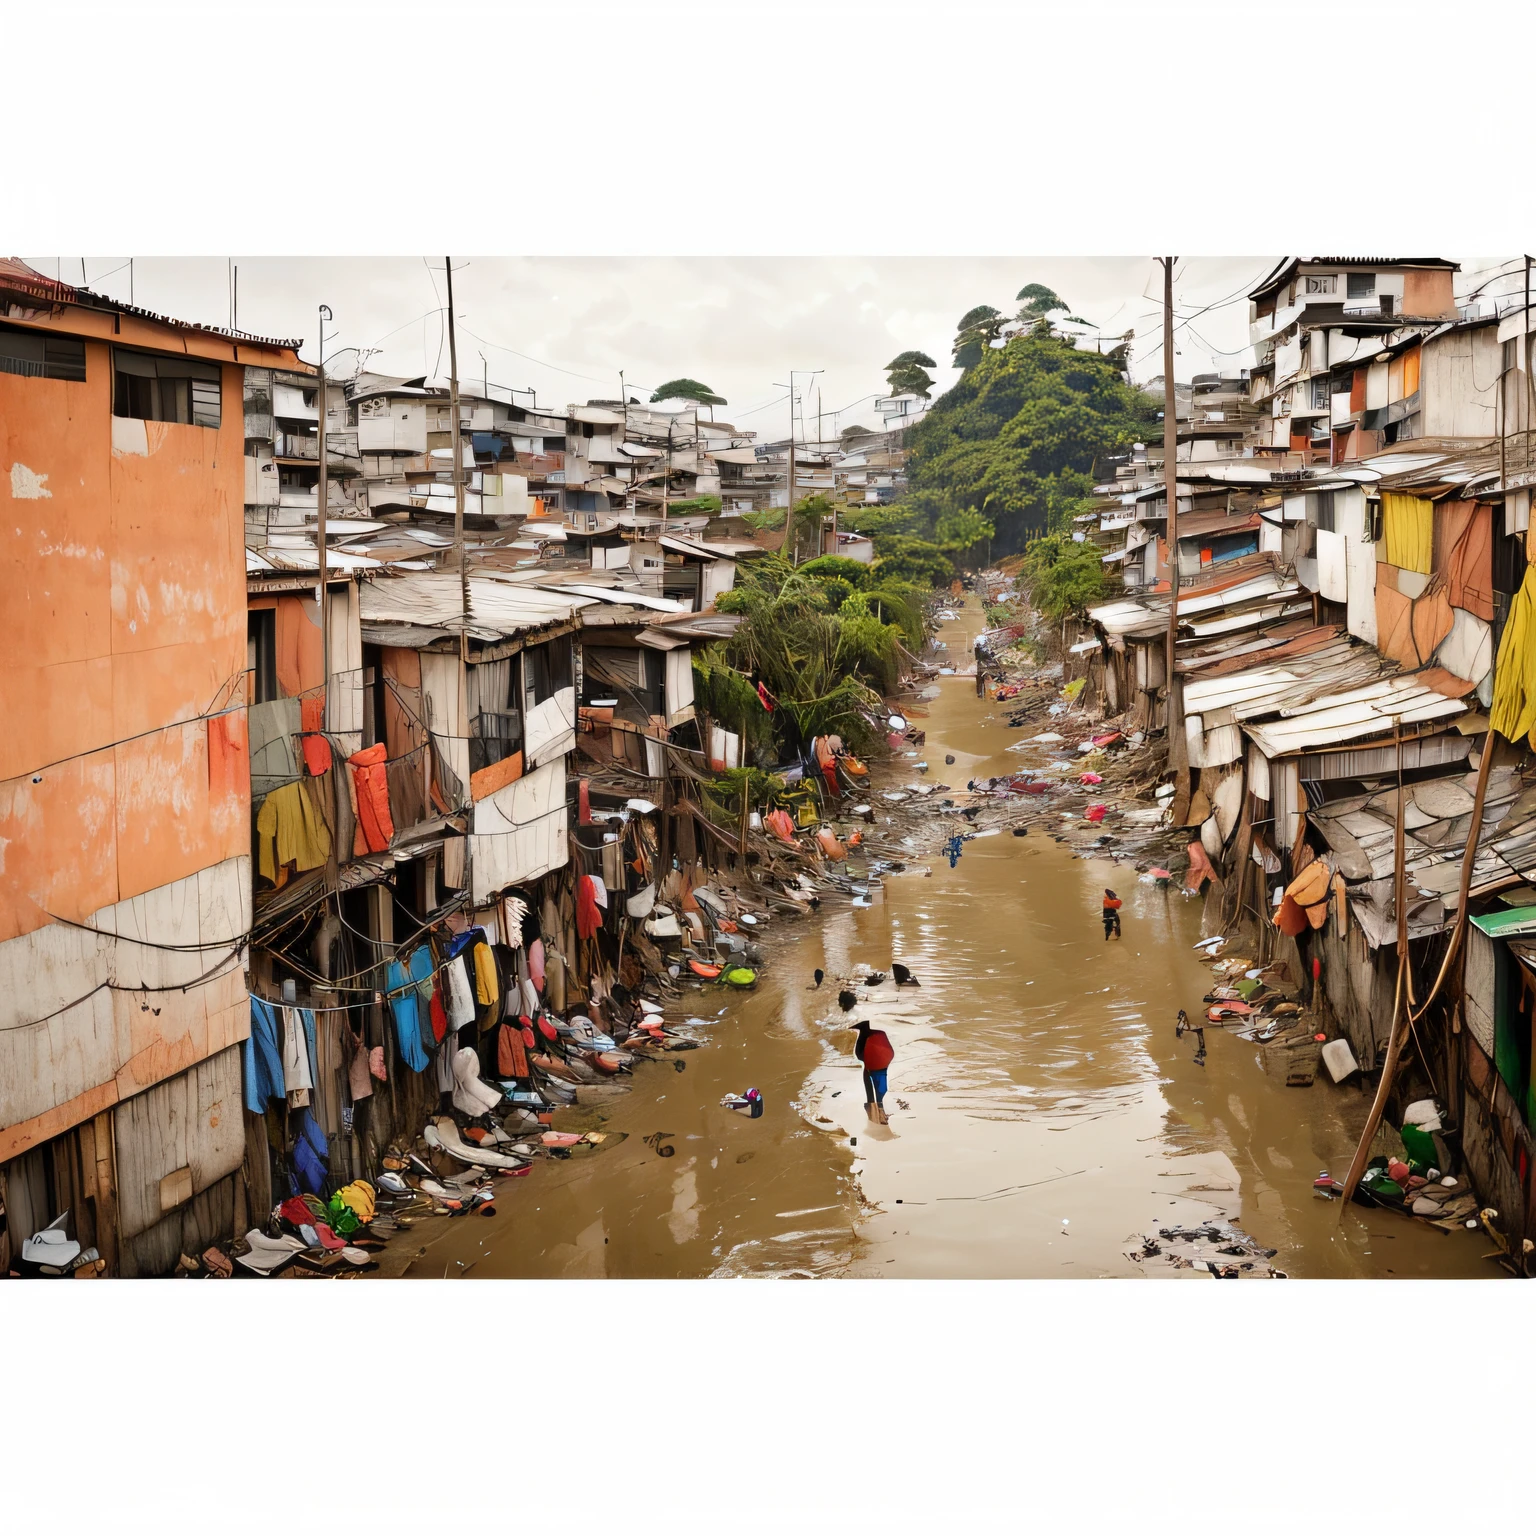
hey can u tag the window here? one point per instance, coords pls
(546, 670)
(1373, 522)
(1320, 394)
(165, 388)
(41, 355)
(1327, 283)
(261, 655)
(1362, 285)
(1388, 303)
(1325, 511)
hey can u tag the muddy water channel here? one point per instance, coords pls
(1042, 1113)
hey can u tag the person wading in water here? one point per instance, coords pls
(874, 1049)
(1183, 1027)
(1111, 914)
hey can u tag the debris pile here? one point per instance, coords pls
(1216, 1248)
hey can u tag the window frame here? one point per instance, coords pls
(194, 382)
(70, 369)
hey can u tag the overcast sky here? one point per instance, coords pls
(566, 326)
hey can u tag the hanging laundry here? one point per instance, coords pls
(359, 1081)
(311, 1155)
(583, 804)
(263, 1058)
(298, 1080)
(536, 963)
(1514, 677)
(487, 987)
(588, 918)
(371, 780)
(316, 749)
(289, 830)
(461, 995)
(599, 892)
(439, 1014)
(404, 1005)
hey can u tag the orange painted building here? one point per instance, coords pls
(125, 836)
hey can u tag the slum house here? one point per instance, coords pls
(1310, 316)
(1492, 1056)
(125, 813)
(1323, 775)
(1384, 506)
(380, 853)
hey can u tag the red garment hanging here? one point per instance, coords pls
(588, 918)
(372, 784)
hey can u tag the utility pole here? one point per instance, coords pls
(322, 545)
(1171, 482)
(458, 467)
(789, 487)
(666, 484)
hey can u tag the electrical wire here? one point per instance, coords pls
(212, 974)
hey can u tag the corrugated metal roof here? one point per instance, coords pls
(497, 609)
(15, 274)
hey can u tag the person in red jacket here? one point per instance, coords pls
(1111, 913)
(873, 1048)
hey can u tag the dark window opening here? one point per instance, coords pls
(1388, 303)
(494, 734)
(166, 388)
(1362, 285)
(39, 355)
(546, 670)
(373, 696)
(261, 655)
(681, 583)
(1325, 511)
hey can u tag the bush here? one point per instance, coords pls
(903, 558)
(854, 572)
(1062, 576)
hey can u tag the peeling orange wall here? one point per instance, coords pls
(122, 611)
(123, 758)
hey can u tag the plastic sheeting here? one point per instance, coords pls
(519, 832)
(1409, 526)
(1468, 650)
(1514, 694)
(1332, 566)
(549, 729)
(1409, 629)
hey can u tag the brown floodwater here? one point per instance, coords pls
(1042, 1113)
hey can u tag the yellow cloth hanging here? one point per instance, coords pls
(1514, 676)
(1410, 531)
(289, 831)
(487, 991)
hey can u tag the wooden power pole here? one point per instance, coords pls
(1171, 483)
(323, 498)
(458, 467)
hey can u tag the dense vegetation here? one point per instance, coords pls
(1007, 454)
(825, 640)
